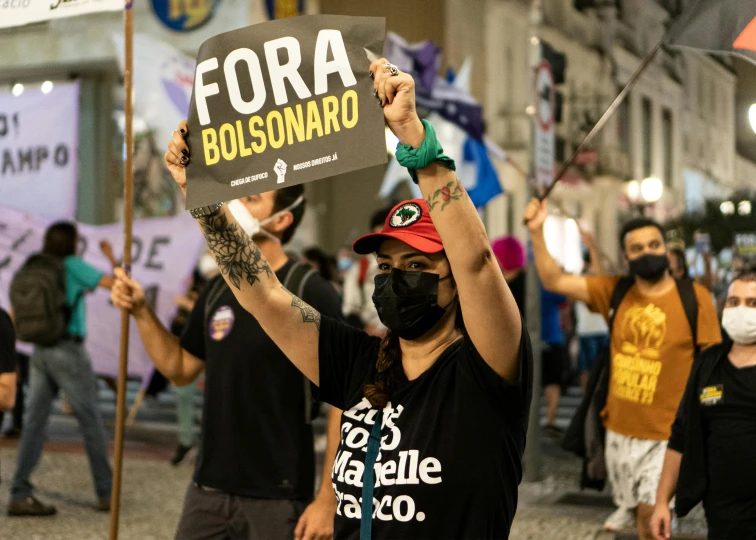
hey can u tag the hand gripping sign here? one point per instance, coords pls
(283, 103)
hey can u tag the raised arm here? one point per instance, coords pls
(163, 348)
(253, 282)
(491, 315)
(552, 277)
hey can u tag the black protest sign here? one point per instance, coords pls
(283, 103)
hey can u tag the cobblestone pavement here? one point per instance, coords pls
(153, 493)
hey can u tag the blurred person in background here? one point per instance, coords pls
(64, 366)
(325, 265)
(709, 458)
(554, 357)
(7, 362)
(591, 329)
(357, 302)
(510, 253)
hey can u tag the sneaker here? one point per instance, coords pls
(103, 505)
(621, 519)
(181, 453)
(30, 507)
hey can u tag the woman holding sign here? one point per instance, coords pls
(436, 412)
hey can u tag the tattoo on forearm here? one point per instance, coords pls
(453, 191)
(237, 256)
(309, 314)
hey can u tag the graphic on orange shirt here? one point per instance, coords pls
(636, 367)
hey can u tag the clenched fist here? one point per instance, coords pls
(535, 215)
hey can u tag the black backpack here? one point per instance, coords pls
(38, 298)
(586, 435)
(295, 282)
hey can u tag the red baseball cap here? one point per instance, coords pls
(408, 222)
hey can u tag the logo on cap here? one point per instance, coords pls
(406, 215)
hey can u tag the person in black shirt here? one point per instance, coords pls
(711, 447)
(7, 362)
(436, 413)
(256, 464)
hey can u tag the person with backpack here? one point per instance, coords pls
(255, 471)
(49, 308)
(649, 360)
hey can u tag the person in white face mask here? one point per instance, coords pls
(710, 453)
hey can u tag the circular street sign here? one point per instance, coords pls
(184, 16)
(545, 99)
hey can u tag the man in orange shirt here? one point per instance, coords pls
(652, 349)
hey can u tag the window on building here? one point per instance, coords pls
(646, 131)
(668, 150)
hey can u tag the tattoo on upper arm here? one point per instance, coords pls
(237, 256)
(453, 191)
(309, 314)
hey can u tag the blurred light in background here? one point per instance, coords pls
(563, 242)
(18, 89)
(752, 117)
(633, 190)
(651, 189)
(47, 87)
(744, 208)
(727, 208)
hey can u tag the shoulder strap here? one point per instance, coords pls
(217, 288)
(295, 282)
(689, 300)
(620, 290)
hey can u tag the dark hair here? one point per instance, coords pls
(286, 197)
(388, 366)
(324, 262)
(379, 217)
(748, 273)
(635, 224)
(682, 260)
(60, 239)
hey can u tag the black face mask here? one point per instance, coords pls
(407, 302)
(649, 267)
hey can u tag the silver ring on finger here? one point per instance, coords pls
(392, 69)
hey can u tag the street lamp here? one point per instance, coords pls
(651, 190)
(727, 208)
(752, 117)
(744, 208)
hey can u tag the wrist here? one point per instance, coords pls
(141, 310)
(410, 132)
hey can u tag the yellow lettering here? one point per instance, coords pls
(243, 150)
(294, 124)
(257, 147)
(227, 129)
(313, 120)
(330, 113)
(210, 146)
(349, 95)
(275, 115)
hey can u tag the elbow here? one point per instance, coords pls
(480, 261)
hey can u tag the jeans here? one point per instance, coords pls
(67, 367)
(186, 408)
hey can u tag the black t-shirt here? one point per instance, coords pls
(255, 439)
(452, 441)
(728, 408)
(7, 344)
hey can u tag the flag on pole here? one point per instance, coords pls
(31, 11)
(422, 60)
(718, 27)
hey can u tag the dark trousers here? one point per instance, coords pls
(216, 515)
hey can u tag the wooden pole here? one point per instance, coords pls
(128, 212)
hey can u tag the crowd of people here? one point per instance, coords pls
(417, 349)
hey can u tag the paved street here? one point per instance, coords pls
(153, 489)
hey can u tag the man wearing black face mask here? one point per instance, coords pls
(651, 354)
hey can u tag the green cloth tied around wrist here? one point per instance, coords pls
(419, 158)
